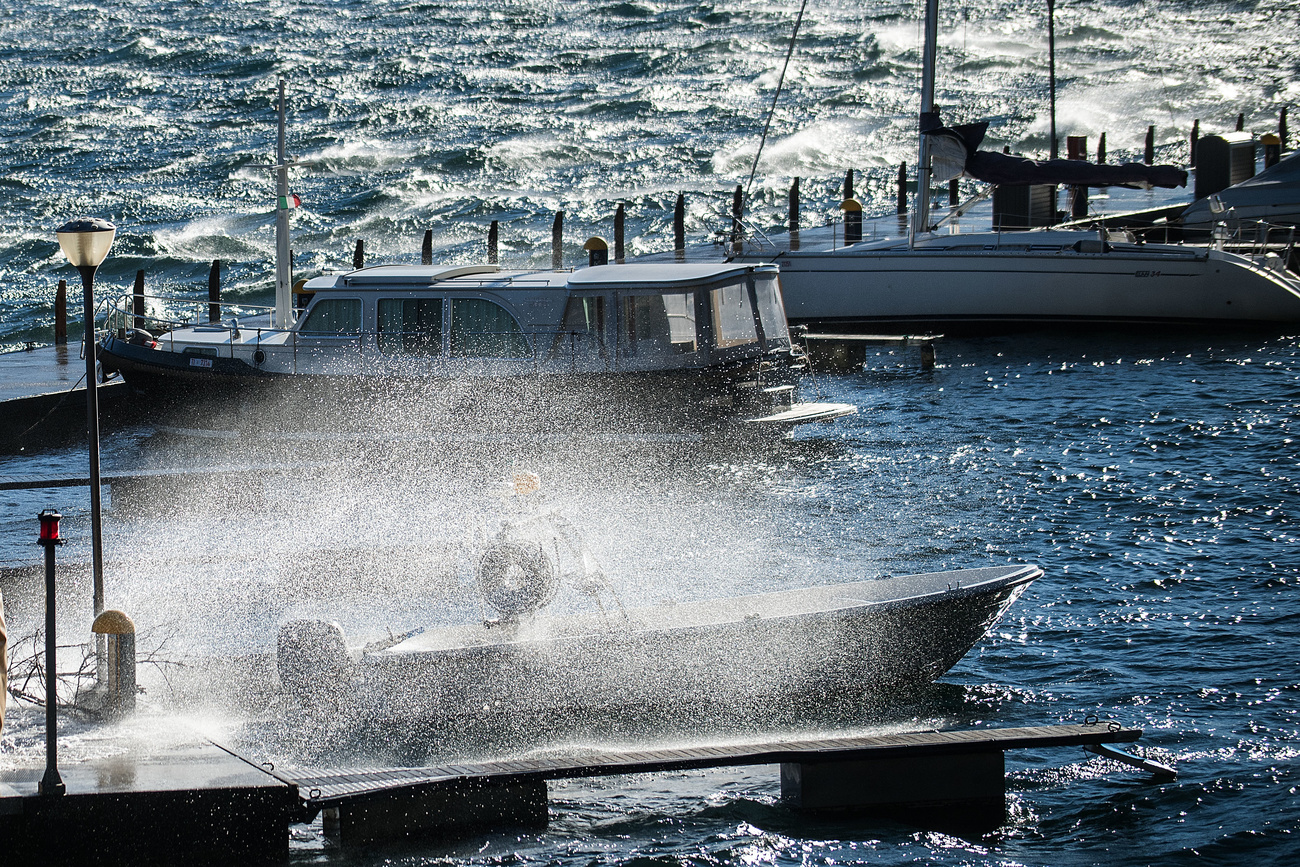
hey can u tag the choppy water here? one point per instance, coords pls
(1153, 477)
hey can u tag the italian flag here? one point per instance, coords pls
(289, 201)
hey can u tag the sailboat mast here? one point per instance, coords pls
(921, 210)
(283, 275)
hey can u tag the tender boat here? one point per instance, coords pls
(661, 346)
(824, 644)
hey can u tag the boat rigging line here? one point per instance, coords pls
(779, 83)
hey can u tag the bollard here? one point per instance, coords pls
(61, 314)
(494, 233)
(51, 784)
(1281, 128)
(902, 188)
(737, 212)
(557, 242)
(214, 291)
(137, 300)
(954, 193)
(1149, 156)
(426, 248)
(1272, 149)
(1101, 149)
(1076, 148)
(679, 227)
(1241, 121)
(1196, 134)
(852, 209)
(619, 221)
(119, 673)
(848, 185)
(794, 215)
(359, 256)
(597, 251)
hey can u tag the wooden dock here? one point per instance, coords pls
(43, 397)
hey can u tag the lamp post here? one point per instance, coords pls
(51, 784)
(85, 242)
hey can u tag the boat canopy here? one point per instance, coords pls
(955, 151)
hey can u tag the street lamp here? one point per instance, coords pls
(85, 242)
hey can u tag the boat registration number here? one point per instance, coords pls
(200, 362)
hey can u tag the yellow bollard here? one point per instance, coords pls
(119, 675)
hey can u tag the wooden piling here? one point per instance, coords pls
(1150, 156)
(1076, 148)
(557, 242)
(1281, 128)
(426, 248)
(137, 299)
(1101, 149)
(619, 225)
(359, 256)
(1241, 121)
(493, 242)
(902, 188)
(679, 227)
(954, 192)
(1196, 134)
(61, 314)
(214, 291)
(737, 213)
(794, 215)
(848, 185)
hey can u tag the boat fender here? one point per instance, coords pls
(515, 579)
(139, 337)
(313, 662)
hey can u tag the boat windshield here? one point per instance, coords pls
(771, 312)
(658, 324)
(333, 317)
(733, 315)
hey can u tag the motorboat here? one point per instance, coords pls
(658, 346)
(930, 275)
(824, 644)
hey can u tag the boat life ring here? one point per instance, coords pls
(515, 578)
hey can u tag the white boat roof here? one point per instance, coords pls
(643, 275)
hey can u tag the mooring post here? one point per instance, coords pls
(852, 209)
(737, 214)
(359, 256)
(119, 672)
(51, 784)
(137, 299)
(1149, 156)
(493, 241)
(1196, 134)
(679, 228)
(848, 185)
(618, 233)
(1101, 149)
(902, 188)
(597, 251)
(214, 291)
(1241, 121)
(1076, 148)
(61, 314)
(1281, 129)
(794, 215)
(426, 248)
(954, 193)
(557, 242)
(1272, 149)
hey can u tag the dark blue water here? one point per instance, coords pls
(1153, 477)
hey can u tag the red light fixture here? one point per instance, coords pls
(50, 527)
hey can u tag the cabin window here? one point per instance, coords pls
(654, 324)
(410, 326)
(733, 315)
(583, 331)
(333, 316)
(484, 329)
(771, 312)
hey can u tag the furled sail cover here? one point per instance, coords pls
(948, 144)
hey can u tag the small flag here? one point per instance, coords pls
(289, 201)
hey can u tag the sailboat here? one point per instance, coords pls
(928, 278)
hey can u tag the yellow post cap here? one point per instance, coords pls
(595, 242)
(1270, 139)
(113, 623)
(850, 205)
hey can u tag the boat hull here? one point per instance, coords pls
(824, 645)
